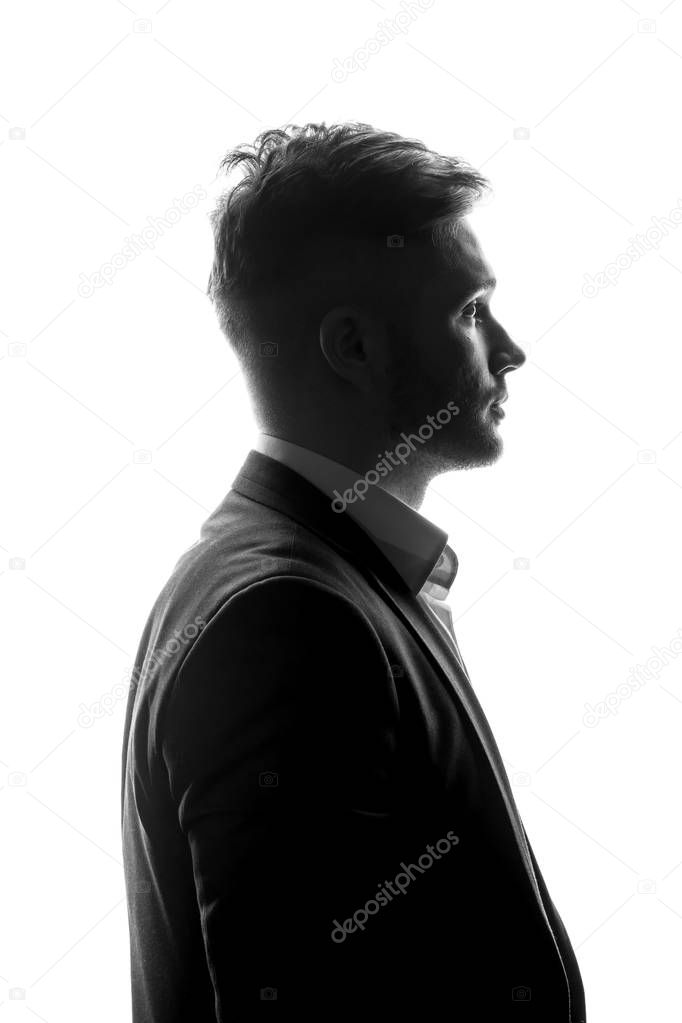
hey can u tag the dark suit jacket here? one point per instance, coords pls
(298, 734)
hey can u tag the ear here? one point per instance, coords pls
(351, 342)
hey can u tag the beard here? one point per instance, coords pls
(470, 439)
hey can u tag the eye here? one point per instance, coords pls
(473, 313)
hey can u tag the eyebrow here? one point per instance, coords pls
(487, 285)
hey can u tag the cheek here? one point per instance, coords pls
(469, 374)
(471, 348)
(446, 358)
(462, 352)
(463, 339)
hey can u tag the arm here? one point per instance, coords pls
(278, 741)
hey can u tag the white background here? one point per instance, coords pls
(105, 120)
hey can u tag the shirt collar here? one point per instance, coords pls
(417, 549)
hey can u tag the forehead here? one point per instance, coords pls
(459, 266)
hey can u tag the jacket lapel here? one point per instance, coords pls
(456, 679)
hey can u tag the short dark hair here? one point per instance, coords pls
(308, 194)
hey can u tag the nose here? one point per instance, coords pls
(507, 355)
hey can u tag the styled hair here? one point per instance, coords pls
(311, 195)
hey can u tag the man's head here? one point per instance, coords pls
(356, 296)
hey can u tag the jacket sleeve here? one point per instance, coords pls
(279, 741)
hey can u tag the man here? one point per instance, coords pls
(315, 812)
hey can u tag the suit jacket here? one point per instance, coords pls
(314, 810)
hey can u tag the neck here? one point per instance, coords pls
(408, 480)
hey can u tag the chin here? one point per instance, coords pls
(482, 446)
